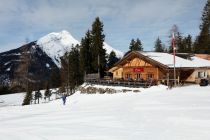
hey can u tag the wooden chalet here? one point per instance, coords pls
(138, 65)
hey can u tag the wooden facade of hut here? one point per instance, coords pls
(138, 65)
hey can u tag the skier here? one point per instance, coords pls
(64, 99)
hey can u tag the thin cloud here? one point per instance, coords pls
(123, 19)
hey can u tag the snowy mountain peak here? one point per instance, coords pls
(108, 48)
(63, 36)
(56, 44)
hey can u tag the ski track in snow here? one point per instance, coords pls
(153, 114)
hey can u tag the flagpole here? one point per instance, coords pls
(174, 53)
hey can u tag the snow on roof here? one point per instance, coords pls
(168, 59)
(199, 62)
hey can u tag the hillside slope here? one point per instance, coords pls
(29, 58)
(43, 63)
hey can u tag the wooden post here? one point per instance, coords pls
(84, 76)
(157, 74)
(99, 67)
(167, 79)
(178, 79)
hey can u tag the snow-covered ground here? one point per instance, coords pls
(11, 99)
(17, 99)
(153, 114)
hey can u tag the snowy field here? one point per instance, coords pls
(17, 99)
(153, 114)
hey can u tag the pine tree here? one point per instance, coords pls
(64, 70)
(136, 45)
(55, 79)
(74, 74)
(132, 44)
(62, 88)
(188, 44)
(85, 54)
(182, 44)
(166, 50)
(179, 43)
(47, 93)
(37, 96)
(97, 50)
(195, 45)
(112, 59)
(27, 98)
(158, 45)
(202, 43)
(174, 30)
(4, 89)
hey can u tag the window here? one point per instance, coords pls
(138, 77)
(201, 74)
(150, 75)
(128, 76)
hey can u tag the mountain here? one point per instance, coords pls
(57, 43)
(108, 48)
(40, 58)
(29, 58)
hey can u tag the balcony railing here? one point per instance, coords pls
(134, 84)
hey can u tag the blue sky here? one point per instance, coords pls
(22, 20)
